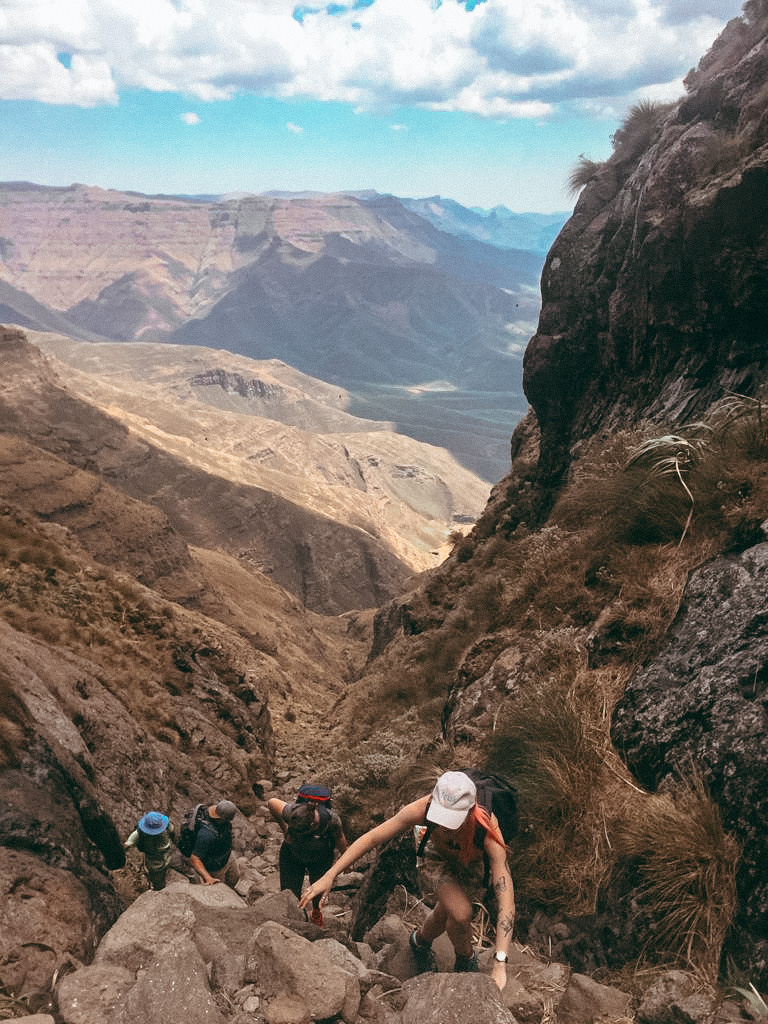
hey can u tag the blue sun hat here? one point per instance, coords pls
(153, 823)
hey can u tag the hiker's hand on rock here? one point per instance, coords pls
(318, 888)
(212, 881)
(499, 974)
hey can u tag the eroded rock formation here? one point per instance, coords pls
(653, 295)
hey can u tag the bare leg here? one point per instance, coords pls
(452, 914)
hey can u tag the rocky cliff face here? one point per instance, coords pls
(653, 296)
(703, 702)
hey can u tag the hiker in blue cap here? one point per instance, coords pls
(153, 836)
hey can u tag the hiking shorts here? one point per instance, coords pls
(434, 871)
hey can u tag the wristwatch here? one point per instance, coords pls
(500, 957)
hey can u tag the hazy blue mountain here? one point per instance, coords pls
(501, 227)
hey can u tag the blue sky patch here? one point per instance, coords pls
(65, 59)
(470, 5)
(299, 13)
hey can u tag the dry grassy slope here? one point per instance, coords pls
(330, 566)
(114, 700)
(134, 537)
(261, 423)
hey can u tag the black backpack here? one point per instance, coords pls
(190, 823)
(498, 796)
(317, 843)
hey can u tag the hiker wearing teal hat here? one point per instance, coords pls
(153, 836)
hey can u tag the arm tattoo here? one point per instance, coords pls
(506, 925)
(500, 884)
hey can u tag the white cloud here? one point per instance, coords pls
(190, 118)
(399, 127)
(501, 59)
(295, 128)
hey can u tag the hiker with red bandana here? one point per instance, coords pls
(313, 833)
(464, 839)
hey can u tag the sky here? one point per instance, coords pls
(488, 102)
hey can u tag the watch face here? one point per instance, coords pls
(501, 957)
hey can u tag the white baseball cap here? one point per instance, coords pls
(453, 798)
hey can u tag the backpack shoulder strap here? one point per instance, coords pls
(429, 829)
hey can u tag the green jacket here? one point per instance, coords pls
(157, 850)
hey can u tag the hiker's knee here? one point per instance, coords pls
(455, 905)
(462, 915)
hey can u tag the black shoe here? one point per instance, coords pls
(422, 954)
(466, 964)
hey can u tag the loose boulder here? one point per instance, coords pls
(281, 962)
(586, 1001)
(453, 999)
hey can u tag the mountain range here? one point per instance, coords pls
(425, 325)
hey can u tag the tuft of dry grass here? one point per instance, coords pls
(582, 173)
(553, 743)
(639, 129)
(686, 864)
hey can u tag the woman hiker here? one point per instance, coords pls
(452, 873)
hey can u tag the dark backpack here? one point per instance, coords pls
(497, 796)
(190, 824)
(315, 843)
(311, 793)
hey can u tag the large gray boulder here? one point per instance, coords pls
(453, 999)
(704, 701)
(677, 998)
(281, 962)
(173, 989)
(534, 987)
(159, 959)
(586, 1000)
(93, 994)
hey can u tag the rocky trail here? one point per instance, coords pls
(193, 954)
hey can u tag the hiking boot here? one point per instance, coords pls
(466, 964)
(422, 954)
(316, 917)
